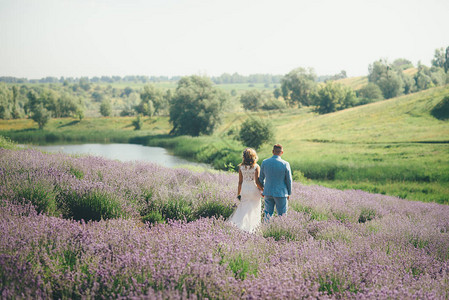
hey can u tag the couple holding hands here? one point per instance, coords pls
(272, 180)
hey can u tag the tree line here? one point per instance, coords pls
(385, 80)
(224, 78)
(197, 105)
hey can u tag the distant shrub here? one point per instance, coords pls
(418, 242)
(137, 123)
(333, 97)
(367, 214)
(127, 111)
(242, 267)
(324, 170)
(6, 143)
(41, 116)
(256, 132)
(273, 104)
(254, 99)
(341, 216)
(290, 227)
(333, 283)
(92, 205)
(441, 110)
(40, 194)
(105, 108)
(335, 233)
(153, 217)
(279, 233)
(79, 174)
(177, 209)
(314, 213)
(219, 158)
(369, 93)
(299, 176)
(213, 209)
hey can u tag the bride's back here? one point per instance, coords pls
(248, 172)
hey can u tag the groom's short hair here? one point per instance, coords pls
(278, 148)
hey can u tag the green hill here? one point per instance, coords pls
(402, 119)
(392, 147)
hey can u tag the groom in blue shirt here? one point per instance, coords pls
(276, 177)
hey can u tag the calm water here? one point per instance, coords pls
(123, 152)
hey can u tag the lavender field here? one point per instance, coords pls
(86, 227)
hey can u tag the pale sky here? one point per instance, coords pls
(40, 38)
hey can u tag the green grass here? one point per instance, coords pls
(95, 205)
(7, 143)
(393, 147)
(68, 130)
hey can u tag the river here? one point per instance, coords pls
(123, 152)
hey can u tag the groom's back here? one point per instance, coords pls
(276, 167)
(274, 171)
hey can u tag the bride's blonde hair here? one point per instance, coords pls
(249, 157)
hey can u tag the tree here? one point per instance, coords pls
(429, 77)
(196, 107)
(438, 76)
(253, 99)
(439, 58)
(298, 86)
(277, 93)
(387, 77)
(49, 98)
(338, 76)
(127, 91)
(153, 101)
(256, 132)
(408, 83)
(4, 101)
(66, 106)
(422, 78)
(273, 104)
(137, 123)
(332, 97)
(391, 84)
(446, 61)
(377, 70)
(98, 96)
(80, 112)
(33, 101)
(402, 64)
(15, 93)
(84, 83)
(41, 115)
(105, 108)
(370, 93)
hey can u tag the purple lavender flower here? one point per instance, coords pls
(72, 228)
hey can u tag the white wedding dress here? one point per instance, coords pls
(248, 213)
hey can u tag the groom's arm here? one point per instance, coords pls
(262, 174)
(288, 179)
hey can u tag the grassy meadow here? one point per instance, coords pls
(393, 147)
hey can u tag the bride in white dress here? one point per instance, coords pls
(248, 213)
